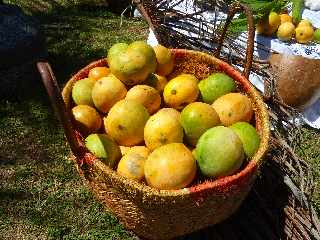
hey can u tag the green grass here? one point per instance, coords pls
(310, 150)
(41, 194)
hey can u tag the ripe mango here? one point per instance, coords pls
(232, 108)
(165, 60)
(170, 166)
(162, 128)
(98, 72)
(180, 91)
(125, 122)
(148, 96)
(107, 91)
(132, 63)
(87, 119)
(156, 81)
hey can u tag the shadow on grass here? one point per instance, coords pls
(78, 34)
(39, 187)
(80, 37)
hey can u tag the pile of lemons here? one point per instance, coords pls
(286, 30)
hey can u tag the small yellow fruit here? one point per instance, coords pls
(124, 150)
(274, 19)
(171, 166)
(98, 72)
(304, 34)
(148, 96)
(162, 128)
(286, 31)
(156, 81)
(131, 166)
(274, 22)
(270, 25)
(304, 23)
(232, 108)
(87, 119)
(165, 60)
(285, 18)
(125, 122)
(180, 91)
(107, 91)
(141, 150)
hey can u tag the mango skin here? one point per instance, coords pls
(232, 108)
(162, 128)
(131, 166)
(304, 34)
(81, 92)
(132, 63)
(87, 119)
(132, 163)
(165, 60)
(103, 147)
(216, 85)
(180, 91)
(148, 96)
(249, 137)
(141, 150)
(98, 72)
(107, 91)
(156, 81)
(196, 118)
(219, 152)
(170, 166)
(125, 122)
(124, 150)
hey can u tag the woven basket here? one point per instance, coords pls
(279, 205)
(164, 214)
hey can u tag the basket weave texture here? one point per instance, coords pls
(164, 214)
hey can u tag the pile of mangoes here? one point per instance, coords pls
(160, 129)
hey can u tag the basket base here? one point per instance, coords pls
(266, 213)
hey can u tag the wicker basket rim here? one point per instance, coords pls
(256, 161)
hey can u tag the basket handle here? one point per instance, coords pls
(59, 106)
(236, 8)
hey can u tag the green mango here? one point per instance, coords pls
(249, 137)
(219, 152)
(216, 85)
(81, 92)
(104, 148)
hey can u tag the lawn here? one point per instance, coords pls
(41, 195)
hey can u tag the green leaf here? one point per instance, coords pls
(260, 9)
